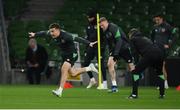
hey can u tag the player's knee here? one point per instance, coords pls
(73, 74)
(111, 69)
(110, 64)
(65, 68)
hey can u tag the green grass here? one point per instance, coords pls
(26, 96)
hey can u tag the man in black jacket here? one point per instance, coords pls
(151, 55)
(91, 52)
(65, 41)
(118, 48)
(163, 35)
(36, 60)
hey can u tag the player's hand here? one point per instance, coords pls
(31, 34)
(115, 57)
(92, 44)
(166, 46)
(36, 65)
(131, 67)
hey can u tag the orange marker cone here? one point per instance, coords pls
(178, 88)
(68, 85)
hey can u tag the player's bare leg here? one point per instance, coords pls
(65, 70)
(64, 74)
(112, 72)
(77, 71)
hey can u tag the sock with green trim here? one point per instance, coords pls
(135, 84)
(161, 84)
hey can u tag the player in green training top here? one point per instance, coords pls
(119, 47)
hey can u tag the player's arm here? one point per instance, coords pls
(134, 52)
(40, 33)
(103, 40)
(117, 48)
(81, 40)
(118, 34)
(87, 34)
(152, 35)
(27, 58)
(173, 34)
(84, 41)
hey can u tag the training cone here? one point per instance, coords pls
(178, 88)
(68, 85)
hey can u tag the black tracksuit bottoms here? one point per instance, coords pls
(153, 57)
(89, 56)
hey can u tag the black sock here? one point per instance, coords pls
(161, 85)
(135, 84)
(90, 74)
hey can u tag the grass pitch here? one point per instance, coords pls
(27, 96)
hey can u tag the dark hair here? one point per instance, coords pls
(54, 25)
(134, 31)
(91, 13)
(158, 15)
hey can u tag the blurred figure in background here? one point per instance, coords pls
(36, 60)
(163, 34)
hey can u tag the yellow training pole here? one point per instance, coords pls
(99, 52)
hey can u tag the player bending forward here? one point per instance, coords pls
(69, 55)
